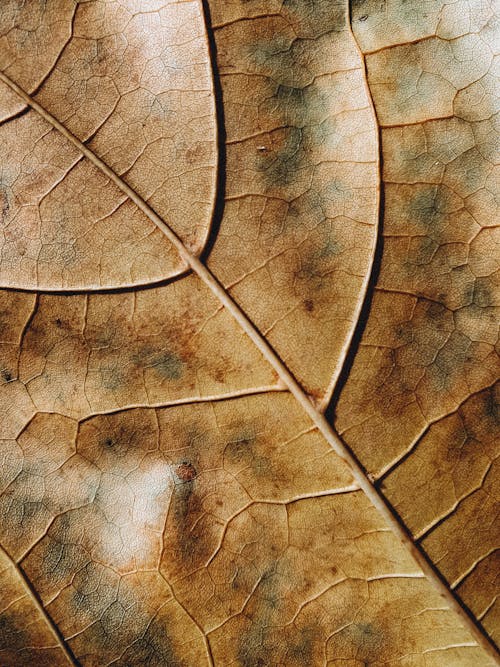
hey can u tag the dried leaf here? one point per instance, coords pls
(248, 333)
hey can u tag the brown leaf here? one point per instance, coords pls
(248, 333)
(136, 88)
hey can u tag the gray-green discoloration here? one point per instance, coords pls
(300, 110)
(320, 16)
(430, 208)
(483, 295)
(293, 646)
(153, 648)
(251, 650)
(240, 450)
(111, 376)
(368, 640)
(166, 363)
(450, 360)
(301, 649)
(280, 166)
(12, 635)
(316, 263)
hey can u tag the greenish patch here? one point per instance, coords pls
(113, 617)
(123, 435)
(363, 4)
(161, 108)
(483, 295)
(291, 103)
(337, 191)
(425, 249)
(267, 53)
(243, 452)
(251, 650)
(111, 377)
(166, 363)
(189, 541)
(61, 559)
(153, 648)
(119, 441)
(319, 261)
(82, 603)
(280, 167)
(318, 16)
(330, 248)
(94, 589)
(169, 365)
(437, 315)
(295, 106)
(462, 281)
(302, 107)
(12, 635)
(367, 640)
(450, 360)
(472, 169)
(324, 132)
(429, 208)
(300, 651)
(189, 544)
(240, 450)
(309, 206)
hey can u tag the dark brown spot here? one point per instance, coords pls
(185, 471)
(309, 305)
(4, 203)
(6, 375)
(364, 17)
(219, 375)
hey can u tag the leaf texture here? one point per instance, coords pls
(136, 87)
(220, 224)
(422, 386)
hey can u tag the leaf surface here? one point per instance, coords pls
(420, 406)
(136, 88)
(223, 222)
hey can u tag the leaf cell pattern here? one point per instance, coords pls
(249, 328)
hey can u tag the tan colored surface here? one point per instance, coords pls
(420, 406)
(26, 637)
(168, 493)
(299, 229)
(137, 88)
